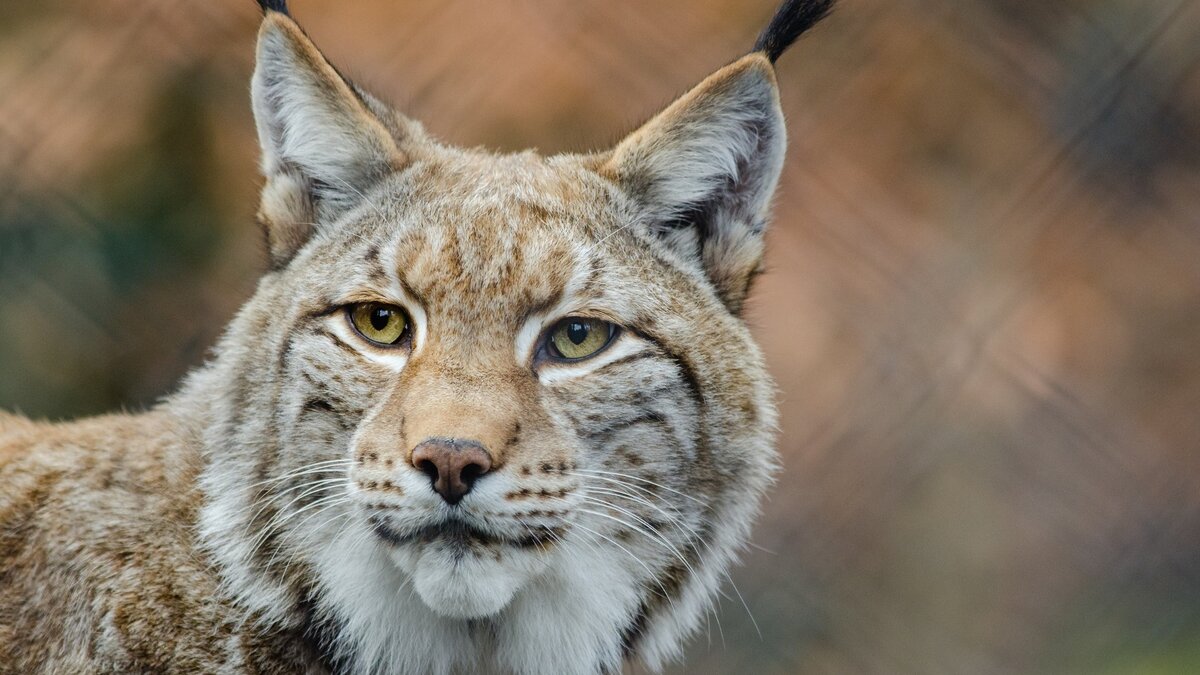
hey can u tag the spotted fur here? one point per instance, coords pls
(268, 517)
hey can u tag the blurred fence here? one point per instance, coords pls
(982, 310)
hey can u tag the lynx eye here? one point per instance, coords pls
(379, 323)
(576, 338)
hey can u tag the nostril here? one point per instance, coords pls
(470, 472)
(429, 468)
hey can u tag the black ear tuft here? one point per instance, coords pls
(274, 6)
(791, 19)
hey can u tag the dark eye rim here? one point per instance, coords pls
(551, 353)
(403, 340)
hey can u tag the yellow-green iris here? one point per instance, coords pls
(577, 337)
(379, 323)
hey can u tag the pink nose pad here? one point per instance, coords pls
(453, 465)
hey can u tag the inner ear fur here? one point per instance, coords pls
(324, 142)
(704, 171)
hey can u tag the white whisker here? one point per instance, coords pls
(643, 480)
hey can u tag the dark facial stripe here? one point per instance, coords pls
(686, 369)
(649, 417)
(624, 360)
(410, 290)
(324, 402)
(682, 363)
(284, 353)
(543, 306)
(670, 582)
(376, 273)
(635, 630)
(703, 469)
(337, 341)
(318, 405)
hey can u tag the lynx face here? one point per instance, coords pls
(493, 411)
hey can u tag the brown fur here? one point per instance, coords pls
(268, 517)
(96, 545)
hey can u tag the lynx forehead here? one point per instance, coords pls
(483, 413)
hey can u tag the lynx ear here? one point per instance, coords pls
(705, 168)
(323, 142)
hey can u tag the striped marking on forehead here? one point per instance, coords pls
(495, 260)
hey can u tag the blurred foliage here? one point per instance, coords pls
(982, 306)
(146, 214)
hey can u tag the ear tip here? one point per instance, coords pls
(759, 63)
(752, 70)
(277, 30)
(278, 19)
(274, 6)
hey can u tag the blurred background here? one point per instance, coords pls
(982, 308)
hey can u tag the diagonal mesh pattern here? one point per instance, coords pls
(982, 308)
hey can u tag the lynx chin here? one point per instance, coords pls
(483, 413)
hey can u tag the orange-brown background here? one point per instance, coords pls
(983, 305)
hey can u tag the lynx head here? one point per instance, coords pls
(494, 411)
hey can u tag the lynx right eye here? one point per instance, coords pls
(576, 338)
(384, 325)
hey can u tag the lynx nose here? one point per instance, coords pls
(452, 465)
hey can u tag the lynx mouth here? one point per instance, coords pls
(459, 534)
(461, 571)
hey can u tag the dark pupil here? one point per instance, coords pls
(577, 332)
(380, 318)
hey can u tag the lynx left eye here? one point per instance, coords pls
(379, 323)
(576, 338)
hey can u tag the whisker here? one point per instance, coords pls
(588, 250)
(316, 467)
(307, 536)
(694, 536)
(745, 606)
(653, 536)
(636, 559)
(282, 517)
(674, 519)
(362, 196)
(330, 501)
(308, 488)
(643, 480)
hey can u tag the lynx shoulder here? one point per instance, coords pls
(483, 412)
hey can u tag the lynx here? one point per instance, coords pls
(483, 413)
